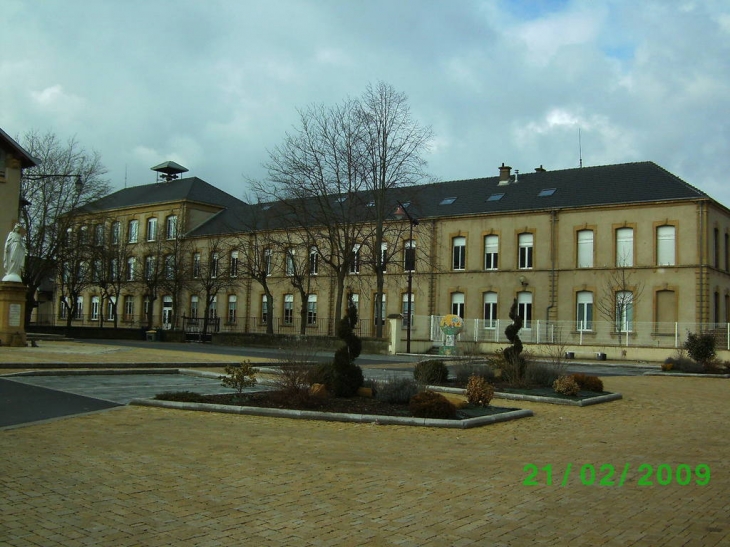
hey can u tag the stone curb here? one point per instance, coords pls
(687, 374)
(138, 364)
(337, 417)
(537, 398)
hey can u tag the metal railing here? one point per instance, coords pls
(598, 333)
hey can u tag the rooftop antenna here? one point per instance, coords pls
(580, 149)
(125, 175)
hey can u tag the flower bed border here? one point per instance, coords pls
(467, 423)
(597, 400)
(687, 374)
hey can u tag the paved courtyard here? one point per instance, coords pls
(150, 476)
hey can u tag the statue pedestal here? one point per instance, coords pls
(12, 313)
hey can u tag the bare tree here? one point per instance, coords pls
(75, 270)
(67, 177)
(177, 253)
(394, 146)
(620, 294)
(210, 277)
(315, 178)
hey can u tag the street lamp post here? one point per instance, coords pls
(400, 213)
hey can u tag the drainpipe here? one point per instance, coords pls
(553, 222)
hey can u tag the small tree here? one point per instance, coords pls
(347, 375)
(701, 347)
(516, 364)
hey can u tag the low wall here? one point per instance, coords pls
(369, 345)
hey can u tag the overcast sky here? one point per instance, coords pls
(214, 84)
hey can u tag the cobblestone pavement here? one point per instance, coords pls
(150, 476)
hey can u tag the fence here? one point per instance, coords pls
(320, 327)
(600, 333)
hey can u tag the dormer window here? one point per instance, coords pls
(447, 201)
(495, 197)
(546, 192)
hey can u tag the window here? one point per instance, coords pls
(289, 262)
(524, 308)
(264, 309)
(716, 247)
(213, 308)
(665, 246)
(131, 268)
(196, 265)
(63, 308)
(546, 192)
(356, 302)
(267, 261)
(234, 263)
(79, 308)
(214, 263)
(94, 314)
(495, 197)
(194, 306)
(457, 304)
(114, 269)
(625, 247)
(146, 306)
(491, 252)
(171, 227)
(231, 308)
(99, 235)
(407, 312)
(624, 311)
(585, 248)
(383, 256)
(584, 315)
(116, 229)
(447, 201)
(459, 253)
(151, 229)
(97, 270)
(490, 310)
(150, 268)
(129, 308)
(111, 308)
(133, 231)
(170, 267)
(84, 235)
(383, 308)
(355, 260)
(525, 242)
(313, 261)
(409, 254)
(312, 309)
(288, 309)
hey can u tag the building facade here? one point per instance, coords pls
(620, 255)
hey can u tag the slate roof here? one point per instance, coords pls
(628, 183)
(7, 142)
(190, 189)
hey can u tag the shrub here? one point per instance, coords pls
(322, 373)
(396, 390)
(239, 376)
(682, 364)
(701, 347)
(566, 385)
(464, 371)
(541, 374)
(431, 372)
(179, 396)
(588, 383)
(429, 404)
(292, 379)
(479, 391)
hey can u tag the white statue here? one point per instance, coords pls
(14, 258)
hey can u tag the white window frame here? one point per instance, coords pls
(491, 252)
(95, 304)
(171, 227)
(355, 260)
(232, 311)
(313, 261)
(624, 311)
(289, 309)
(491, 299)
(624, 247)
(585, 248)
(312, 309)
(409, 255)
(234, 264)
(458, 253)
(584, 311)
(404, 312)
(526, 244)
(133, 231)
(666, 237)
(458, 304)
(152, 229)
(524, 308)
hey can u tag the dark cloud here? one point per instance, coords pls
(213, 85)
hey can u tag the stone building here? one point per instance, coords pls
(617, 256)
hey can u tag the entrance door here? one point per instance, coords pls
(167, 312)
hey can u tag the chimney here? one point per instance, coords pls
(504, 172)
(540, 169)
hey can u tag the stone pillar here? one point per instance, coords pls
(12, 313)
(394, 341)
